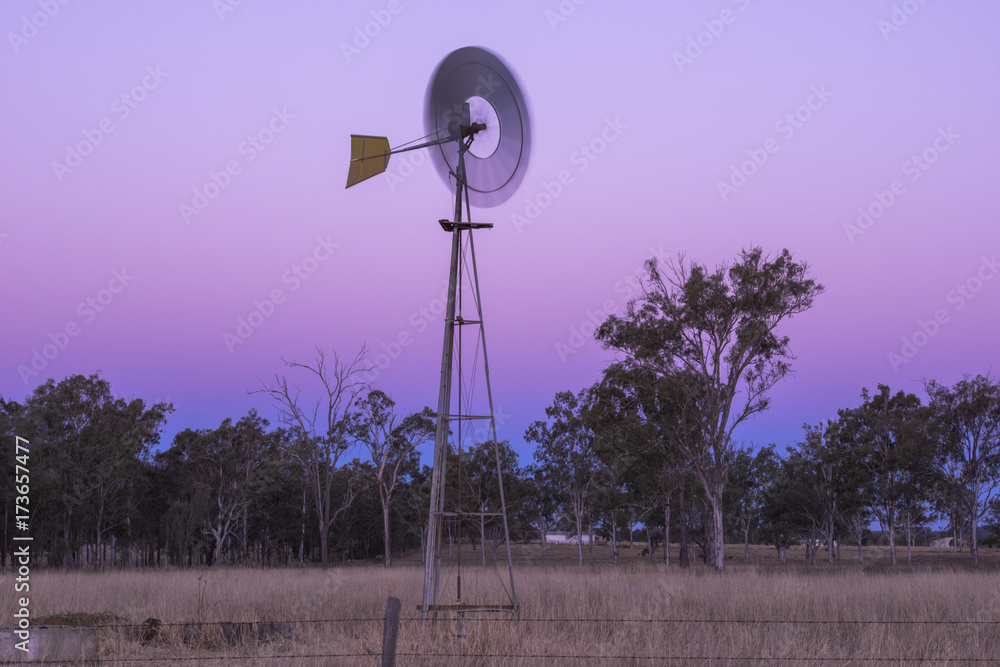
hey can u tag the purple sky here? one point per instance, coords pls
(843, 104)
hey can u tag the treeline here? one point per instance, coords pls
(890, 461)
(244, 494)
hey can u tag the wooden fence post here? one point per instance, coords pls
(390, 632)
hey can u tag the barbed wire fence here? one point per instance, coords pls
(390, 623)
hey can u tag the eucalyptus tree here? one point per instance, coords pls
(749, 477)
(567, 458)
(541, 508)
(228, 465)
(968, 415)
(625, 444)
(895, 437)
(712, 335)
(479, 487)
(320, 432)
(392, 447)
(781, 517)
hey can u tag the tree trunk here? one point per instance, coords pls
(859, 532)
(892, 539)
(302, 533)
(682, 513)
(614, 538)
(718, 532)
(974, 535)
(482, 536)
(829, 541)
(781, 554)
(649, 545)
(746, 543)
(579, 538)
(666, 532)
(909, 541)
(323, 543)
(812, 543)
(385, 530)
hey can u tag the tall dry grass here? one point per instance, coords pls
(635, 614)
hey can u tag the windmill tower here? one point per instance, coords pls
(478, 133)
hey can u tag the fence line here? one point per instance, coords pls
(373, 654)
(483, 619)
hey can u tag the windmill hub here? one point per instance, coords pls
(483, 114)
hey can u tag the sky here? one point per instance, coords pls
(174, 171)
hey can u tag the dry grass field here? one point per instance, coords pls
(937, 611)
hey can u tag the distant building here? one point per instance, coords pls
(565, 537)
(948, 543)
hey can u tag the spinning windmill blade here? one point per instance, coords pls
(499, 156)
(478, 132)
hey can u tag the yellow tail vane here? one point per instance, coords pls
(369, 157)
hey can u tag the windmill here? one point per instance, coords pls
(478, 133)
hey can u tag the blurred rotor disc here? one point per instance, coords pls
(496, 161)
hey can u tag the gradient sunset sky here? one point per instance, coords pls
(862, 135)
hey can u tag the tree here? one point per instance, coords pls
(628, 416)
(391, 447)
(320, 433)
(894, 434)
(226, 465)
(749, 477)
(969, 454)
(566, 456)
(540, 508)
(847, 479)
(712, 336)
(477, 478)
